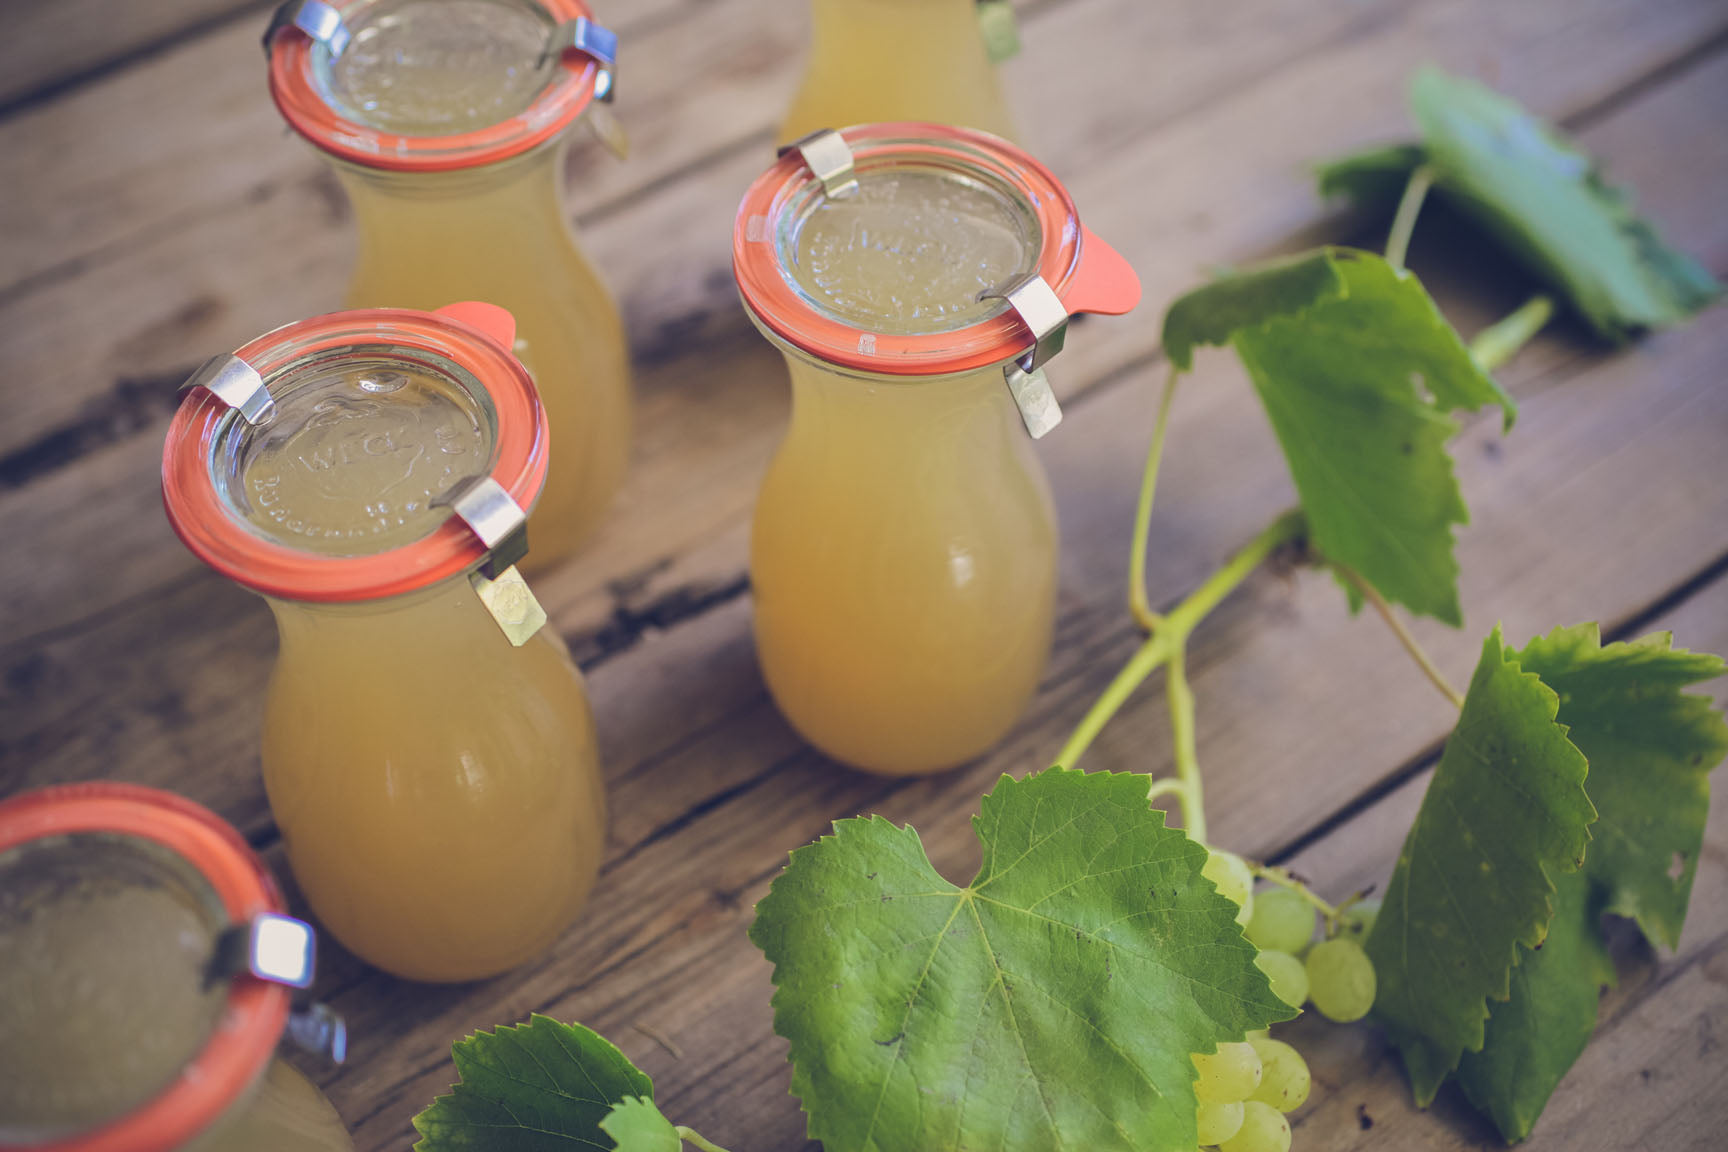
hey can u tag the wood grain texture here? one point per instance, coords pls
(124, 263)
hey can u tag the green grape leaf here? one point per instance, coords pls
(530, 1087)
(1531, 1040)
(1505, 812)
(1374, 178)
(1651, 748)
(1358, 389)
(1052, 1003)
(635, 1125)
(1212, 314)
(1542, 198)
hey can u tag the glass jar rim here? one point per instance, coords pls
(1085, 273)
(475, 336)
(294, 88)
(256, 1011)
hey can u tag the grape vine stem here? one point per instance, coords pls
(1167, 646)
(696, 1139)
(1409, 207)
(1137, 601)
(1283, 879)
(1497, 343)
(1372, 594)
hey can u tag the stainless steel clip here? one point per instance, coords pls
(237, 384)
(319, 1028)
(598, 43)
(318, 20)
(829, 159)
(271, 947)
(1042, 311)
(494, 516)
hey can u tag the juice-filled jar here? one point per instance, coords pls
(447, 122)
(903, 554)
(881, 60)
(428, 750)
(146, 980)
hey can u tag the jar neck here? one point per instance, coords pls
(445, 616)
(836, 17)
(496, 197)
(901, 411)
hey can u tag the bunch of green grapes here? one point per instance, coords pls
(1244, 1090)
(1334, 974)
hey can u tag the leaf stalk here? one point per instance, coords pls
(1500, 341)
(1405, 637)
(696, 1139)
(1409, 207)
(1137, 601)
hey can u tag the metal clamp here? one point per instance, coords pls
(1043, 312)
(829, 159)
(595, 42)
(495, 517)
(272, 947)
(317, 19)
(237, 384)
(319, 1028)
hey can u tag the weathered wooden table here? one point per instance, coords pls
(155, 212)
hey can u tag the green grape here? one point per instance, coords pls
(1289, 979)
(1264, 1129)
(1285, 1081)
(1234, 881)
(1341, 979)
(1258, 1034)
(1232, 1073)
(1218, 1122)
(1282, 922)
(1357, 920)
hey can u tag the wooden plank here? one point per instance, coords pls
(1301, 711)
(48, 43)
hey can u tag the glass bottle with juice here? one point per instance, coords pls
(448, 123)
(428, 749)
(903, 552)
(880, 60)
(145, 978)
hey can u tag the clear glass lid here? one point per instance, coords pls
(361, 444)
(439, 67)
(915, 249)
(106, 945)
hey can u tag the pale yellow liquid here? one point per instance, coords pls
(876, 60)
(104, 999)
(498, 233)
(438, 791)
(903, 560)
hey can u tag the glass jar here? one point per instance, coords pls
(903, 553)
(447, 122)
(428, 750)
(880, 60)
(146, 972)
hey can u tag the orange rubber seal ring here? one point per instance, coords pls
(1086, 274)
(476, 336)
(558, 106)
(244, 1039)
